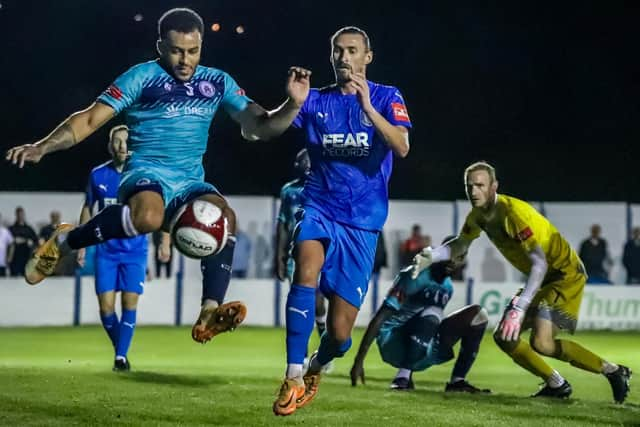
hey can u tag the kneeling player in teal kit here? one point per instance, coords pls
(412, 334)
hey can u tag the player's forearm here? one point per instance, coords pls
(273, 123)
(61, 138)
(395, 138)
(70, 132)
(536, 277)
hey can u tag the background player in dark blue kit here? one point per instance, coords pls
(120, 263)
(352, 130)
(168, 105)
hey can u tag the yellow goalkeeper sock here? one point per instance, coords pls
(524, 356)
(578, 356)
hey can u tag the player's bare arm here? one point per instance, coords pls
(357, 370)
(512, 320)
(396, 137)
(70, 132)
(258, 123)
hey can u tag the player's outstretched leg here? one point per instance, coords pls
(216, 317)
(45, 259)
(143, 214)
(299, 317)
(524, 355)
(300, 314)
(335, 342)
(544, 342)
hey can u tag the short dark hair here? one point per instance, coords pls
(352, 30)
(180, 19)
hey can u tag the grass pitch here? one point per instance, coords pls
(62, 376)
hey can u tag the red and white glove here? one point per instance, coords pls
(511, 324)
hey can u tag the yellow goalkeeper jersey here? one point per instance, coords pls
(515, 228)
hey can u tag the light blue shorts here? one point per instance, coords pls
(176, 186)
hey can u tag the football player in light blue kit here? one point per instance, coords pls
(120, 264)
(168, 105)
(413, 334)
(352, 131)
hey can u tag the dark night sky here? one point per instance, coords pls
(548, 93)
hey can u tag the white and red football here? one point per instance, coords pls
(199, 229)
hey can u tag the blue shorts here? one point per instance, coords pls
(349, 255)
(175, 185)
(122, 272)
(392, 344)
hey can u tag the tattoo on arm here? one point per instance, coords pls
(60, 139)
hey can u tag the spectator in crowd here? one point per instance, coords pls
(156, 237)
(24, 242)
(631, 257)
(242, 254)
(413, 245)
(594, 255)
(47, 230)
(6, 239)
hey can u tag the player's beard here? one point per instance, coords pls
(343, 74)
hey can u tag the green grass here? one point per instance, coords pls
(62, 376)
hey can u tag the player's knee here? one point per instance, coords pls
(543, 345)
(106, 308)
(130, 300)
(338, 333)
(147, 220)
(481, 317)
(306, 274)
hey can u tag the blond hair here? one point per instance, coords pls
(480, 166)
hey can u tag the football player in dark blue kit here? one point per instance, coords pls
(120, 264)
(352, 130)
(168, 105)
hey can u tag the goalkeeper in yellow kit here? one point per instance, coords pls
(550, 300)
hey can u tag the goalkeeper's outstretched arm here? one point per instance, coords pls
(453, 249)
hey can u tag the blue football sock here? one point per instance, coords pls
(330, 349)
(127, 326)
(112, 222)
(216, 272)
(111, 326)
(300, 315)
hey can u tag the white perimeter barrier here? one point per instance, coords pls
(54, 303)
